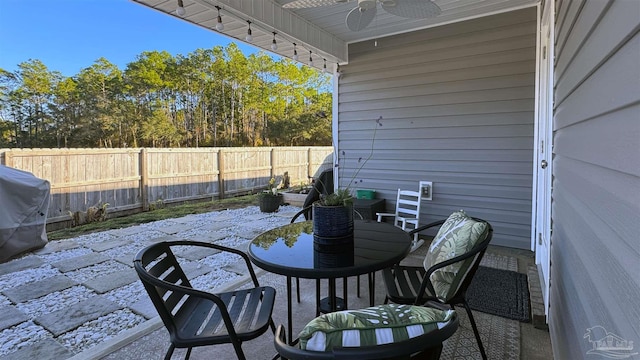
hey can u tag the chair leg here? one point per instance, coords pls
(167, 356)
(475, 329)
(317, 297)
(372, 288)
(237, 346)
(298, 289)
(358, 287)
(186, 357)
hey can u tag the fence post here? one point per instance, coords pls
(272, 160)
(221, 174)
(8, 158)
(309, 174)
(144, 179)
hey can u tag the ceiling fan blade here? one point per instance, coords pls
(358, 19)
(303, 4)
(412, 9)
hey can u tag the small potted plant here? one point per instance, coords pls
(270, 199)
(333, 214)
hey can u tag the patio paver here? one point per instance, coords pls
(37, 289)
(79, 262)
(27, 262)
(104, 283)
(211, 236)
(11, 316)
(175, 228)
(106, 245)
(144, 307)
(195, 254)
(45, 349)
(69, 318)
(56, 246)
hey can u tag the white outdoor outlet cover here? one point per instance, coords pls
(426, 188)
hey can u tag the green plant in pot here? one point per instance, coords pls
(270, 199)
(333, 214)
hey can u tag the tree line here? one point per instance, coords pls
(210, 97)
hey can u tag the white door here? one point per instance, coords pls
(544, 153)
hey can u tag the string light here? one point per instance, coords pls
(274, 44)
(219, 24)
(180, 9)
(249, 38)
(310, 59)
(295, 53)
(324, 67)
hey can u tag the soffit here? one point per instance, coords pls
(321, 30)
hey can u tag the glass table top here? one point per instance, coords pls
(293, 250)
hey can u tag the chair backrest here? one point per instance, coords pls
(455, 254)
(162, 278)
(408, 205)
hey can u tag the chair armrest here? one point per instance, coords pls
(424, 227)
(240, 253)
(381, 215)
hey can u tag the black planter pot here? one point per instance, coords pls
(332, 221)
(269, 203)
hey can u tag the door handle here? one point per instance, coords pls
(543, 164)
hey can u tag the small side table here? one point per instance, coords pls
(368, 208)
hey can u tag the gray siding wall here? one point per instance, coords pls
(457, 108)
(595, 256)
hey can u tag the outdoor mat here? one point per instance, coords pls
(500, 292)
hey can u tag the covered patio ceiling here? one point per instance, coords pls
(321, 30)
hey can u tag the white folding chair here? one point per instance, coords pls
(407, 215)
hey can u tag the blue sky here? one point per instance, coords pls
(69, 35)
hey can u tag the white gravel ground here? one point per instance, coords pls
(229, 223)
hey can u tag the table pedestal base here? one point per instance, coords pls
(326, 306)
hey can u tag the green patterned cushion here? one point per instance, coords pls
(376, 325)
(458, 235)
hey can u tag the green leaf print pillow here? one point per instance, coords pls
(458, 235)
(376, 325)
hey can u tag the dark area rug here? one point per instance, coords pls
(500, 292)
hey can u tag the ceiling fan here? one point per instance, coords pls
(362, 15)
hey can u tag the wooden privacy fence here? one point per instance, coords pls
(132, 179)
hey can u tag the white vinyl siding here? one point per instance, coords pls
(457, 109)
(595, 263)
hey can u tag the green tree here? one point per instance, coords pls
(210, 97)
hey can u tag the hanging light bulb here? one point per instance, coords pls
(324, 67)
(295, 53)
(219, 25)
(249, 38)
(310, 59)
(274, 44)
(180, 9)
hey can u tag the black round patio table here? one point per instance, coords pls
(291, 250)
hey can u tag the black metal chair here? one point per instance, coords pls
(197, 318)
(426, 347)
(412, 284)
